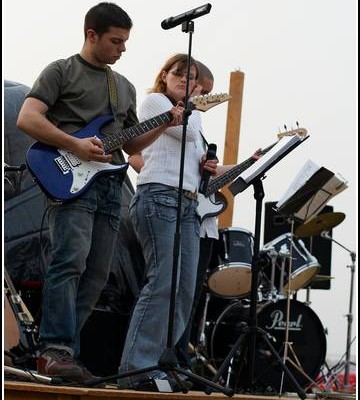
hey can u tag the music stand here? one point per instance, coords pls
(283, 147)
(306, 197)
(254, 176)
(312, 188)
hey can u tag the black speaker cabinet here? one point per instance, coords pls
(276, 224)
(102, 342)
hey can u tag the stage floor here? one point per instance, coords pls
(17, 390)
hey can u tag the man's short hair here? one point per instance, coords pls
(104, 15)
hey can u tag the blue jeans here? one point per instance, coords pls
(153, 211)
(83, 234)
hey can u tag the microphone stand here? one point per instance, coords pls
(246, 342)
(168, 361)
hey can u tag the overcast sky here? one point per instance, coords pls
(300, 63)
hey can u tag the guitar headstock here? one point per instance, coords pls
(204, 103)
(299, 131)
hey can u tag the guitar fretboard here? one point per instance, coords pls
(115, 140)
(220, 181)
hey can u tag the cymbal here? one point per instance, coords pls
(321, 278)
(322, 222)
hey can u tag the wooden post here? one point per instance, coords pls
(232, 139)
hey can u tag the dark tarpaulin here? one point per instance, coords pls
(26, 238)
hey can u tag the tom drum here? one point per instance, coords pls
(230, 271)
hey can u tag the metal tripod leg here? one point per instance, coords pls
(22, 373)
(245, 336)
(296, 364)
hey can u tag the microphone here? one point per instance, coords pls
(171, 22)
(205, 176)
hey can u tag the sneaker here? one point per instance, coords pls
(88, 376)
(59, 363)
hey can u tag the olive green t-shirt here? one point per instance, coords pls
(76, 92)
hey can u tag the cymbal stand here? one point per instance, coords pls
(288, 348)
(347, 363)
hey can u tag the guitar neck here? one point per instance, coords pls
(201, 103)
(115, 140)
(220, 181)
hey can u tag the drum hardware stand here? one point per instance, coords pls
(14, 185)
(287, 344)
(273, 256)
(347, 363)
(198, 349)
(204, 360)
(272, 291)
(303, 202)
(23, 317)
(308, 288)
(168, 361)
(28, 331)
(247, 340)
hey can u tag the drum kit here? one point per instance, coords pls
(293, 327)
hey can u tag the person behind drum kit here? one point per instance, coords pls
(68, 94)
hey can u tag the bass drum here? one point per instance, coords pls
(306, 335)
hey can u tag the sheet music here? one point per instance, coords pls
(314, 206)
(263, 162)
(332, 185)
(306, 172)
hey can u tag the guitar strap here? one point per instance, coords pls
(113, 97)
(205, 143)
(114, 102)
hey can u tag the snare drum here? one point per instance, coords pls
(290, 250)
(230, 274)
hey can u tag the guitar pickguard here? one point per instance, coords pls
(211, 206)
(82, 172)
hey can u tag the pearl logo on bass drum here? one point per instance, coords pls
(279, 322)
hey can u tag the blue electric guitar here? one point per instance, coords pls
(64, 176)
(214, 202)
